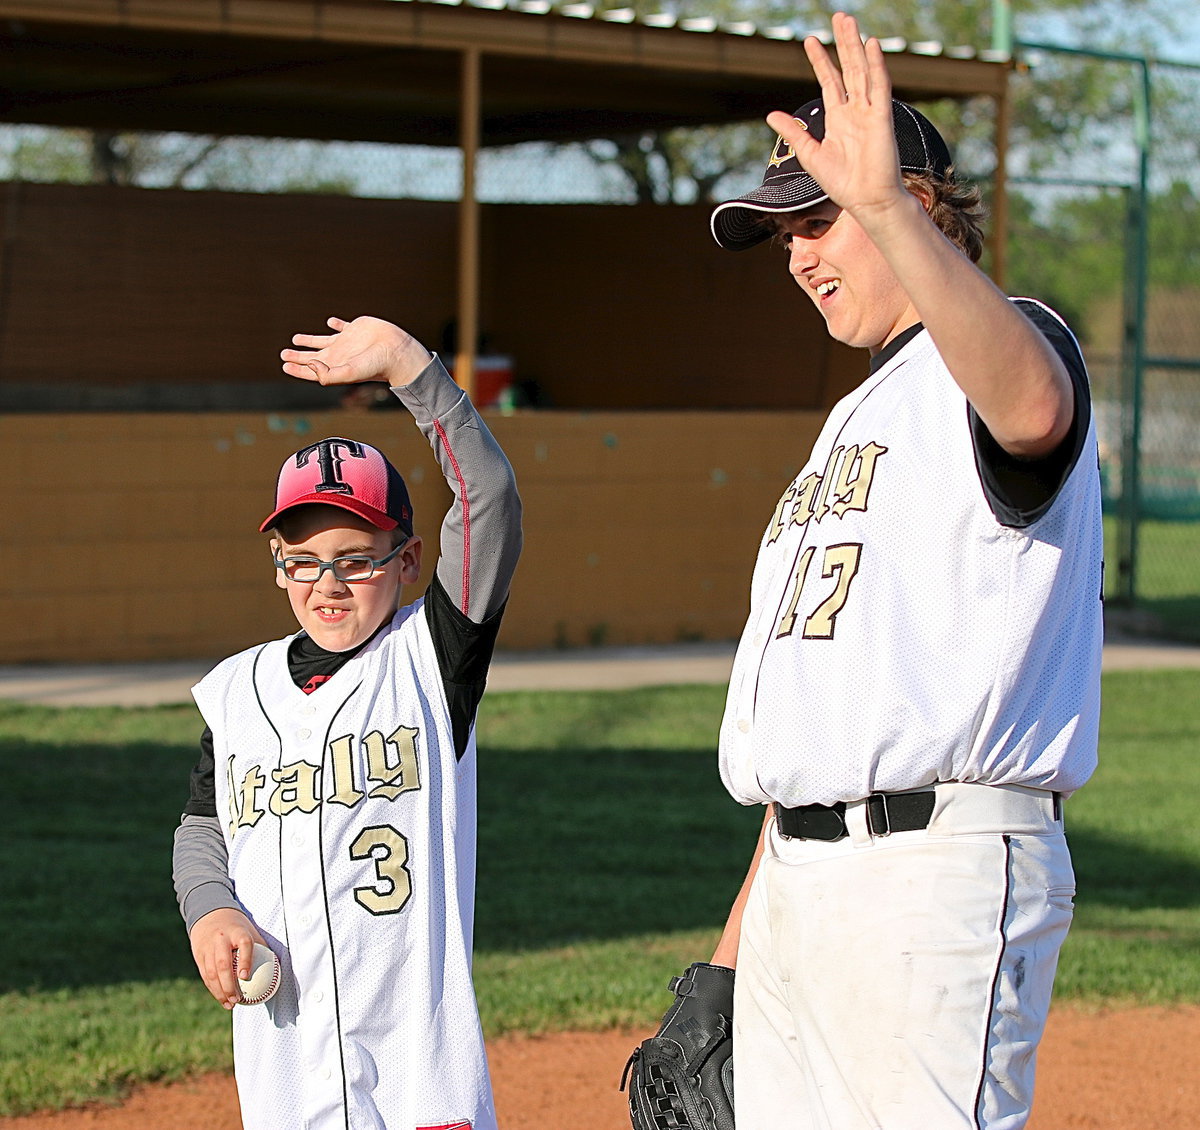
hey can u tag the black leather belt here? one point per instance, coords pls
(886, 812)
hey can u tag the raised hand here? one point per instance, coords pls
(366, 349)
(856, 163)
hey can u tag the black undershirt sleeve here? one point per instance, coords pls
(202, 800)
(1020, 491)
(464, 652)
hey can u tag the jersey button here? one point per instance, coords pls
(318, 996)
(325, 1073)
(744, 725)
(758, 639)
(298, 840)
(305, 920)
(302, 734)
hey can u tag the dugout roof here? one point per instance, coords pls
(390, 70)
(439, 72)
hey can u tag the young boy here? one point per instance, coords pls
(917, 686)
(331, 816)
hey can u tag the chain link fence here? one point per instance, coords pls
(1110, 222)
(1167, 511)
(1082, 236)
(529, 173)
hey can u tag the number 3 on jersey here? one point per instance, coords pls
(840, 562)
(393, 884)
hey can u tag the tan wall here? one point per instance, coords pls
(133, 536)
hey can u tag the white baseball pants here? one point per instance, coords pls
(902, 982)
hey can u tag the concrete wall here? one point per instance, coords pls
(133, 536)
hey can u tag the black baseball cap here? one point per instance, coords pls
(786, 187)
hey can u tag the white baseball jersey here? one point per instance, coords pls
(350, 826)
(898, 633)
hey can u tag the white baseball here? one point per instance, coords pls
(264, 976)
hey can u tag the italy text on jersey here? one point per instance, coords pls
(389, 767)
(843, 486)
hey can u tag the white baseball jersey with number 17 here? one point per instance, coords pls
(350, 826)
(899, 634)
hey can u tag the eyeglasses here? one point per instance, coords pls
(349, 569)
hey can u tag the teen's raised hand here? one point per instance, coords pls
(856, 163)
(366, 349)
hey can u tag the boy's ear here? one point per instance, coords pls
(276, 549)
(410, 561)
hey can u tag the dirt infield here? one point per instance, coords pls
(1136, 1069)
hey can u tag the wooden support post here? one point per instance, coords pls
(468, 225)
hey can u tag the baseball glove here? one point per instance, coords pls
(682, 1078)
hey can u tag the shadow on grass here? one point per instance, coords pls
(602, 843)
(575, 844)
(85, 864)
(650, 842)
(1115, 872)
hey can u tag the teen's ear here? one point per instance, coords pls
(276, 549)
(924, 194)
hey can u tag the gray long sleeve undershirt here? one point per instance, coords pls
(485, 495)
(480, 543)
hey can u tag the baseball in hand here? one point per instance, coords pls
(264, 976)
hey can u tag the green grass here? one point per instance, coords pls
(1134, 840)
(608, 856)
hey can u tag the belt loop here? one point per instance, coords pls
(881, 826)
(1058, 806)
(858, 822)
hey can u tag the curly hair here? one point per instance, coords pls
(956, 208)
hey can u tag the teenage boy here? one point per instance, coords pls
(917, 686)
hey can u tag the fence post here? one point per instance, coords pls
(1133, 352)
(1133, 340)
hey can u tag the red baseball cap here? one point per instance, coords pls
(348, 474)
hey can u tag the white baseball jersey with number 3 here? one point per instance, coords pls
(351, 835)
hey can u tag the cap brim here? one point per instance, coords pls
(737, 224)
(377, 518)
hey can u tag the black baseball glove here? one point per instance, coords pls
(682, 1078)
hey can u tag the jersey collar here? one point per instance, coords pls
(894, 346)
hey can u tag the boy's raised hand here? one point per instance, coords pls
(366, 349)
(856, 164)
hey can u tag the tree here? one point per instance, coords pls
(170, 160)
(1072, 254)
(1061, 108)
